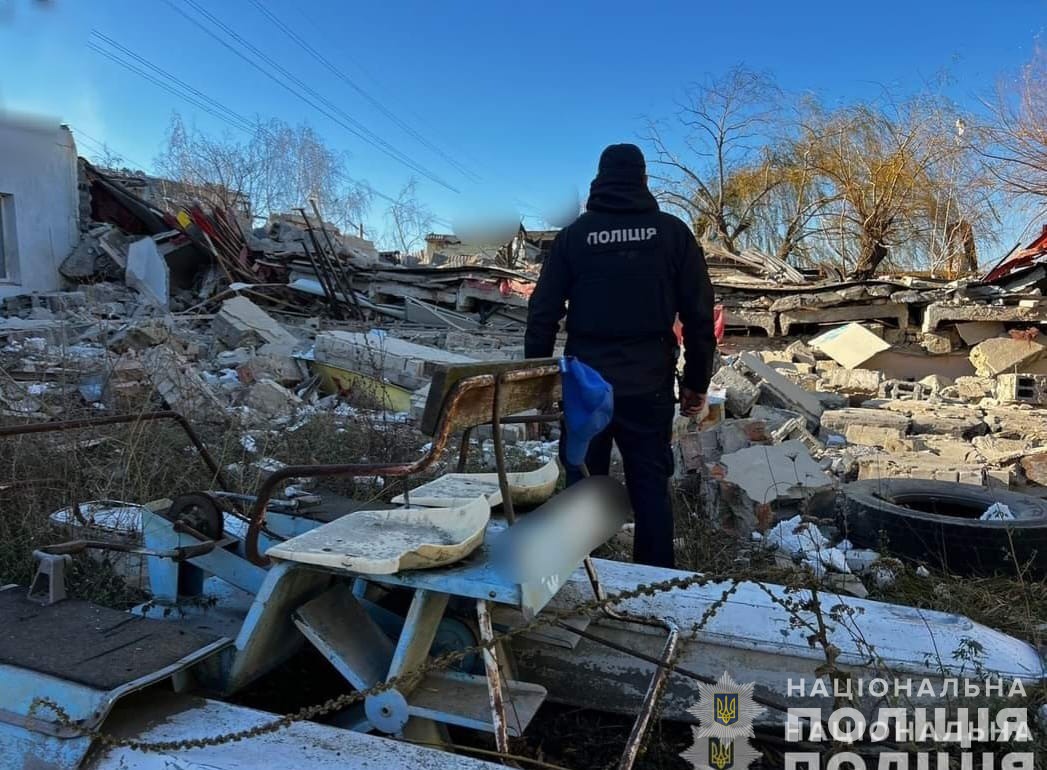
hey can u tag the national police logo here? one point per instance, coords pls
(726, 709)
(712, 753)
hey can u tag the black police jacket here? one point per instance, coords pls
(622, 272)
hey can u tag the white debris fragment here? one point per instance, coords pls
(997, 512)
(794, 536)
(884, 574)
(249, 443)
(922, 571)
(861, 559)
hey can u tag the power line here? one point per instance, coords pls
(184, 91)
(407, 127)
(341, 117)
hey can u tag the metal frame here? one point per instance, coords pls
(122, 419)
(440, 440)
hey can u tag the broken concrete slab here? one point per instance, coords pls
(839, 420)
(899, 314)
(850, 345)
(941, 419)
(377, 354)
(180, 386)
(974, 388)
(741, 393)
(272, 399)
(952, 449)
(978, 331)
(745, 318)
(938, 313)
(147, 272)
(774, 418)
(918, 465)
(997, 450)
(872, 435)
(767, 473)
(1001, 355)
(1035, 468)
(785, 393)
(241, 323)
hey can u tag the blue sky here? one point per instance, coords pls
(524, 95)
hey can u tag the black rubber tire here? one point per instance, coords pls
(876, 512)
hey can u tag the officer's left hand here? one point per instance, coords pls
(691, 402)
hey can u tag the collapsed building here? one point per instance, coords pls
(824, 385)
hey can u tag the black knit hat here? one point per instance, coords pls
(622, 161)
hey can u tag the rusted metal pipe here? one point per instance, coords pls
(650, 699)
(463, 449)
(176, 554)
(495, 684)
(499, 453)
(120, 419)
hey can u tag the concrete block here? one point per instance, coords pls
(741, 393)
(774, 418)
(854, 380)
(272, 399)
(241, 323)
(1002, 478)
(937, 343)
(1022, 388)
(785, 393)
(1001, 355)
(802, 353)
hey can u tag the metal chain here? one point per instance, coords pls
(710, 611)
(438, 663)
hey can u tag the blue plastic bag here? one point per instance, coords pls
(588, 404)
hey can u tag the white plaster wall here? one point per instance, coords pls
(38, 168)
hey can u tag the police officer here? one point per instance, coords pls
(622, 272)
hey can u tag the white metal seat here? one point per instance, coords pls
(388, 541)
(528, 488)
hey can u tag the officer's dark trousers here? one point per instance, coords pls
(642, 429)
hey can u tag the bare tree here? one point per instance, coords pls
(888, 168)
(1015, 141)
(719, 169)
(278, 169)
(408, 220)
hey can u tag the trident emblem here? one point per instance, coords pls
(726, 708)
(721, 753)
